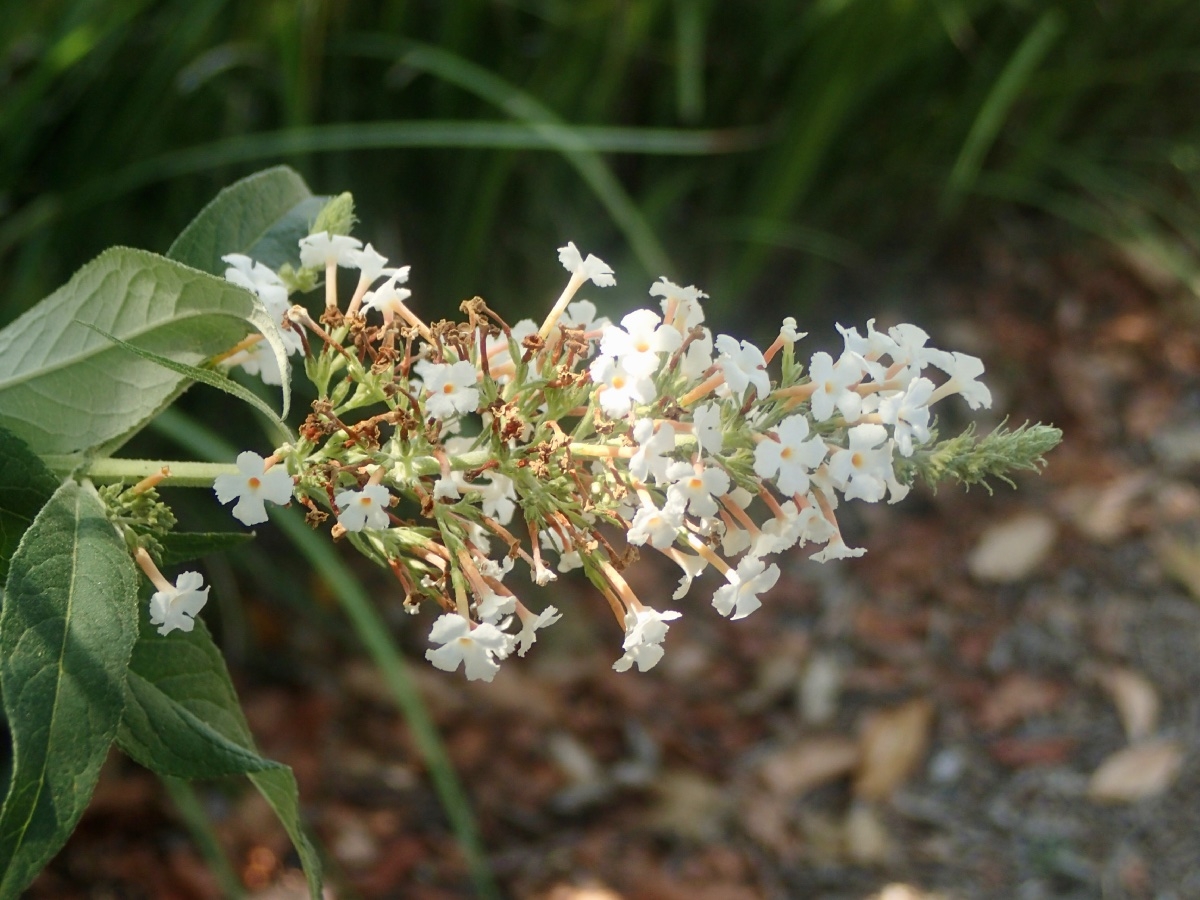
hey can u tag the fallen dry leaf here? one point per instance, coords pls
(1012, 550)
(688, 805)
(892, 744)
(867, 840)
(819, 688)
(1136, 772)
(1135, 698)
(1180, 559)
(809, 763)
(587, 892)
(904, 892)
(766, 818)
(1022, 752)
(1102, 512)
(1016, 698)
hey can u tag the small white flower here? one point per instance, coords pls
(645, 631)
(177, 608)
(650, 460)
(446, 489)
(253, 485)
(706, 422)
(869, 349)
(389, 297)
(788, 331)
(697, 487)
(272, 293)
(370, 263)
(897, 490)
(363, 509)
(837, 549)
(640, 341)
(530, 623)
(734, 540)
(698, 357)
(658, 526)
(813, 524)
(325, 249)
(779, 533)
(862, 470)
(499, 497)
(582, 315)
(740, 595)
(964, 371)
(835, 385)
(493, 606)
(622, 388)
(259, 280)
(743, 366)
(692, 566)
(591, 269)
(568, 560)
(451, 388)
(908, 411)
(688, 313)
(476, 649)
(909, 350)
(789, 459)
(259, 359)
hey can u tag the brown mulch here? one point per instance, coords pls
(927, 721)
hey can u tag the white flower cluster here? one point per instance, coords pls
(432, 440)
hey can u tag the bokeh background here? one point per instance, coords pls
(961, 163)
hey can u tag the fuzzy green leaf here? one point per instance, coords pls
(263, 216)
(25, 487)
(211, 378)
(64, 389)
(67, 630)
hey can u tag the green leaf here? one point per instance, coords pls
(263, 216)
(182, 716)
(67, 629)
(182, 719)
(25, 487)
(211, 378)
(181, 547)
(64, 389)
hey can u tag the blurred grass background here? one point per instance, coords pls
(760, 150)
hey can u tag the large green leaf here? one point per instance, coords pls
(65, 389)
(67, 630)
(263, 216)
(219, 380)
(25, 487)
(182, 719)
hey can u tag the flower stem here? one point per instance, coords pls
(182, 474)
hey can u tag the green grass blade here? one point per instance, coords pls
(339, 138)
(191, 810)
(996, 106)
(690, 21)
(522, 106)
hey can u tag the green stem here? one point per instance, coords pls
(183, 474)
